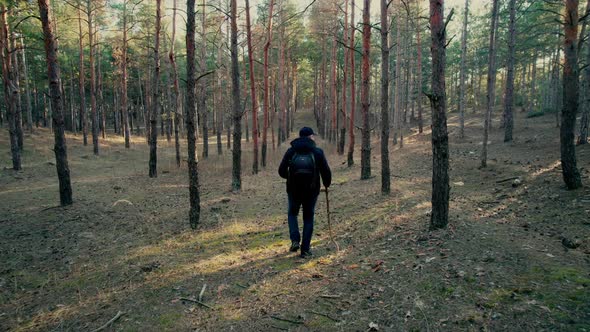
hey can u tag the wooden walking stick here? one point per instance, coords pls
(330, 221)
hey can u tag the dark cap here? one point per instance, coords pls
(306, 131)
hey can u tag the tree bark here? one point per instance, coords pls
(10, 91)
(571, 175)
(193, 171)
(420, 79)
(385, 172)
(153, 167)
(60, 147)
(491, 89)
(366, 132)
(439, 217)
(509, 94)
(350, 159)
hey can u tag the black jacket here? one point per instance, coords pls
(304, 145)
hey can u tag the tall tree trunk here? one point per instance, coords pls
(266, 84)
(366, 132)
(333, 94)
(350, 158)
(419, 69)
(203, 85)
(10, 91)
(571, 175)
(18, 118)
(237, 107)
(585, 120)
(439, 217)
(463, 72)
(509, 94)
(27, 89)
(252, 91)
(398, 80)
(60, 147)
(124, 107)
(491, 93)
(342, 124)
(385, 172)
(193, 171)
(93, 110)
(176, 94)
(153, 170)
(82, 78)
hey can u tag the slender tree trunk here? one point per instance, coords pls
(124, 107)
(203, 85)
(439, 217)
(10, 91)
(585, 120)
(237, 107)
(82, 78)
(176, 91)
(153, 169)
(420, 80)
(18, 118)
(333, 95)
(509, 95)
(27, 89)
(60, 147)
(266, 84)
(463, 72)
(491, 93)
(193, 171)
(385, 172)
(571, 175)
(398, 80)
(253, 92)
(366, 133)
(93, 107)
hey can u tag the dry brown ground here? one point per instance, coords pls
(125, 244)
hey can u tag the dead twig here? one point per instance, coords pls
(329, 296)
(323, 314)
(287, 320)
(197, 302)
(107, 324)
(202, 292)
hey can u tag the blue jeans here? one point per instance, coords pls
(308, 203)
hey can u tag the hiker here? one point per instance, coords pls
(302, 166)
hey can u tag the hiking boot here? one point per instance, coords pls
(294, 246)
(306, 254)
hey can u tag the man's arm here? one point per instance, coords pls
(325, 171)
(284, 167)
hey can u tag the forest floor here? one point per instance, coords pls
(125, 244)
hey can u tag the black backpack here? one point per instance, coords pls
(302, 171)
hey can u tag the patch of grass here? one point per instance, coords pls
(168, 320)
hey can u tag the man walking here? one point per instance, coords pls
(302, 166)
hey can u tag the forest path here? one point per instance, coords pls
(125, 244)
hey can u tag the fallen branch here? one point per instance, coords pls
(329, 296)
(197, 302)
(117, 316)
(287, 320)
(279, 328)
(322, 314)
